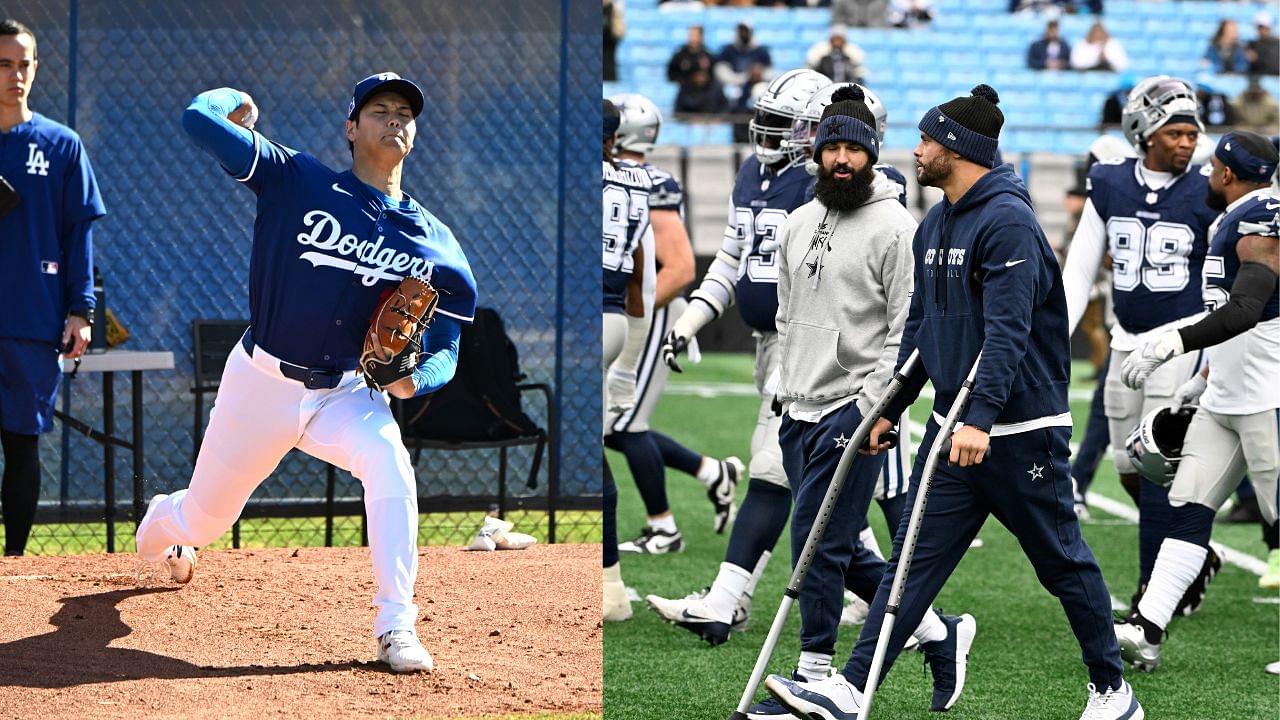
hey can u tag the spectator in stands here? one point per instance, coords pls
(734, 62)
(837, 58)
(1225, 53)
(1113, 107)
(1256, 108)
(614, 28)
(1099, 51)
(690, 58)
(909, 14)
(1264, 51)
(1050, 52)
(1215, 108)
(702, 94)
(859, 13)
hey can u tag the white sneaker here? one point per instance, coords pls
(617, 606)
(1113, 704)
(403, 652)
(855, 610)
(181, 560)
(694, 614)
(1134, 647)
(831, 699)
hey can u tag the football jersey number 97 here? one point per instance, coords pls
(624, 217)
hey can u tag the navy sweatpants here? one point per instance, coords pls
(810, 453)
(1024, 483)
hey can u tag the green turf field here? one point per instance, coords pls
(1025, 663)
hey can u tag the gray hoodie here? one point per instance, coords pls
(844, 288)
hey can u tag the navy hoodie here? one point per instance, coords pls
(986, 279)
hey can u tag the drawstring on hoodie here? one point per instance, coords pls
(821, 240)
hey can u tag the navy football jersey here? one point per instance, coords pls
(625, 221)
(762, 200)
(1157, 240)
(1257, 215)
(666, 193)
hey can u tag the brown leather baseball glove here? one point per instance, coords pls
(394, 339)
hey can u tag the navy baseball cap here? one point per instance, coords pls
(384, 82)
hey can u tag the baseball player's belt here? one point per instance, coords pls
(311, 378)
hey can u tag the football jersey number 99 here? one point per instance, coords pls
(1156, 256)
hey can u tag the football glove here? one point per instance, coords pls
(1189, 392)
(1142, 362)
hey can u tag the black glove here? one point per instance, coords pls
(9, 198)
(672, 346)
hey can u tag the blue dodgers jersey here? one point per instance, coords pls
(762, 200)
(42, 276)
(326, 247)
(1255, 216)
(625, 207)
(1157, 240)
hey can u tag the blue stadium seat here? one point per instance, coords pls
(971, 41)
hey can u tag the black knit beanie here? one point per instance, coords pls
(848, 119)
(968, 125)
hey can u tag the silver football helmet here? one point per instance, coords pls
(1155, 445)
(805, 128)
(777, 109)
(1150, 105)
(641, 122)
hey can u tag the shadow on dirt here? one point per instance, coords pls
(77, 653)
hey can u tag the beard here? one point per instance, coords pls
(1215, 200)
(844, 195)
(935, 173)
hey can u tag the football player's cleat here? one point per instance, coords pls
(777, 109)
(653, 541)
(641, 122)
(1135, 649)
(694, 614)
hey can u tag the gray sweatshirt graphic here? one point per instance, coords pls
(844, 288)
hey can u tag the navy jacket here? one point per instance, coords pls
(986, 279)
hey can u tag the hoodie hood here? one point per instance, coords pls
(999, 181)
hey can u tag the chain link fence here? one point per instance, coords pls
(505, 156)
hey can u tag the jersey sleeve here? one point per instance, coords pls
(453, 280)
(1083, 258)
(81, 200)
(246, 155)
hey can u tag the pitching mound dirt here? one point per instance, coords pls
(288, 633)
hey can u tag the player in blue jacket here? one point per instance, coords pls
(986, 281)
(46, 273)
(326, 245)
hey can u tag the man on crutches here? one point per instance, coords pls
(844, 286)
(986, 281)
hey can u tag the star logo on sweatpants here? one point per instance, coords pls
(1036, 472)
(842, 441)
